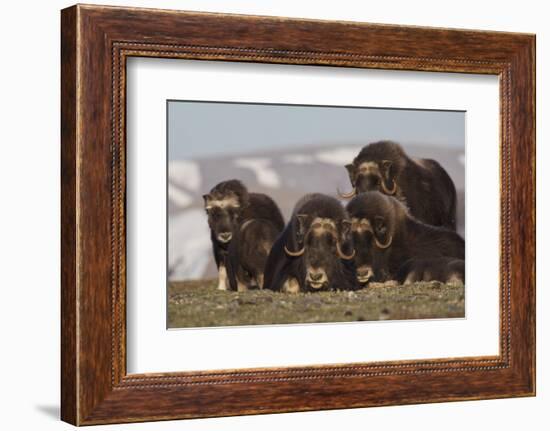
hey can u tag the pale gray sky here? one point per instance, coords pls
(204, 129)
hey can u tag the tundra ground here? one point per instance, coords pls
(200, 304)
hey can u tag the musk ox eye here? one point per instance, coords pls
(380, 225)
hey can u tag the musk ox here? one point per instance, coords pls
(314, 251)
(421, 184)
(385, 236)
(243, 227)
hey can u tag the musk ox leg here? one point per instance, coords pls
(429, 276)
(291, 285)
(260, 280)
(455, 280)
(222, 278)
(412, 277)
(241, 287)
(457, 273)
(378, 284)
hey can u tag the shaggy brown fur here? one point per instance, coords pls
(421, 184)
(319, 225)
(243, 227)
(392, 236)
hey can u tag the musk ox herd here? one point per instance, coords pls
(399, 226)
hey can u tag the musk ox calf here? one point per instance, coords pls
(243, 227)
(314, 250)
(421, 184)
(386, 236)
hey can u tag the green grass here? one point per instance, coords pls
(200, 304)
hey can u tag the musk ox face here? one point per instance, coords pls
(224, 206)
(223, 216)
(368, 175)
(373, 221)
(370, 243)
(322, 242)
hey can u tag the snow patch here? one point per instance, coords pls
(338, 156)
(189, 247)
(185, 173)
(178, 196)
(298, 159)
(261, 166)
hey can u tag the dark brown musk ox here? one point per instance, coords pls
(243, 227)
(421, 184)
(314, 252)
(386, 236)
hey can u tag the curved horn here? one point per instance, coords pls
(295, 253)
(380, 245)
(341, 253)
(348, 195)
(386, 190)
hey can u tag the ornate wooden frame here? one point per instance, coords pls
(95, 43)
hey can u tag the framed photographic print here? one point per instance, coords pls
(265, 214)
